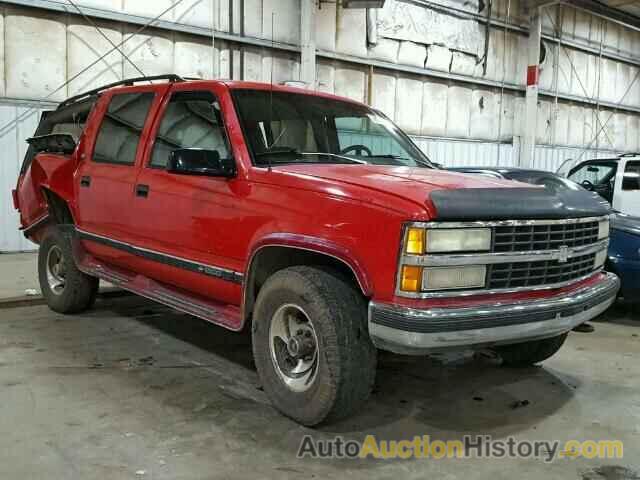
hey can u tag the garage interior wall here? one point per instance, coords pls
(421, 62)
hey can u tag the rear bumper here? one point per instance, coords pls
(412, 331)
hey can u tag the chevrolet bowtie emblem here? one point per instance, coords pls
(563, 254)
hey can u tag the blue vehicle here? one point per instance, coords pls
(624, 243)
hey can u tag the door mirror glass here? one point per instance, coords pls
(195, 161)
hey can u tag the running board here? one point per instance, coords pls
(225, 315)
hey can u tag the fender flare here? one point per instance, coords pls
(310, 244)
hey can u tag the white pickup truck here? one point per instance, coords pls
(617, 179)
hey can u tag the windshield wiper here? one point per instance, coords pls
(398, 157)
(279, 151)
(342, 157)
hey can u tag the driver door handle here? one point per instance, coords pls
(142, 190)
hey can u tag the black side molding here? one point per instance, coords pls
(470, 204)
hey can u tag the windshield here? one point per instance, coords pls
(283, 128)
(594, 173)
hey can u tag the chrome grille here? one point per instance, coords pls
(534, 274)
(519, 238)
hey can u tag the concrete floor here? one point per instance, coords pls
(132, 390)
(18, 273)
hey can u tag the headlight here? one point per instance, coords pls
(458, 240)
(603, 229)
(447, 278)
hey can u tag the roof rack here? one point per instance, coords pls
(127, 81)
(629, 154)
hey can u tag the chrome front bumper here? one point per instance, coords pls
(412, 331)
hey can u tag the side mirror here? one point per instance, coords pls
(54, 143)
(195, 161)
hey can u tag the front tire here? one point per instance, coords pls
(526, 354)
(311, 345)
(65, 288)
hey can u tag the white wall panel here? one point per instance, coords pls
(286, 20)
(326, 20)
(412, 54)
(35, 55)
(383, 96)
(151, 52)
(86, 45)
(350, 83)
(192, 59)
(484, 115)
(409, 105)
(13, 147)
(352, 31)
(326, 78)
(197, 12)
(438, 58)
(458, 112)
(252, 64)
(2, 88)
(385, 49)
(633, 133)
(434, 109)
(253, 18)
(148, 8)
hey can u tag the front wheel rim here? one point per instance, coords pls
(293, 344)
(56, 270)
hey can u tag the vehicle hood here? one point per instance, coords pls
(411, 183)
(626, 223)
(459, 196)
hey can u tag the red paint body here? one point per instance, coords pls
(351, 212)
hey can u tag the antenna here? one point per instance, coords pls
(273, 14)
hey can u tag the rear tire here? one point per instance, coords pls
(529, 353)
(313, 311)
(65, 288)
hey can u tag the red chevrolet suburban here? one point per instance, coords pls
(312, 220)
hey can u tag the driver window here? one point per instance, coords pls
(191, 120)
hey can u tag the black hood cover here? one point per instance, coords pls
(470, 204)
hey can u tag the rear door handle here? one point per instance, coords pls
(85, 181)
(142, 190)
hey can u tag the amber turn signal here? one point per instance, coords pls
(415, 241)
(411, 277)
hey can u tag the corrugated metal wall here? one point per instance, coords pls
(17, 122)
(461, 153)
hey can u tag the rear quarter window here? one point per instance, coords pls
(121, 127)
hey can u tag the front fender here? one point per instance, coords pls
(318, 245)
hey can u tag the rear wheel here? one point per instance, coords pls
(65, 288)
(311, 346)
(528, 353)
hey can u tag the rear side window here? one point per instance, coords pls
(191, 120)
(631, 179)
(121, 128)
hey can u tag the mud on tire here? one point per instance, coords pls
(318, 300)
(65, 288)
